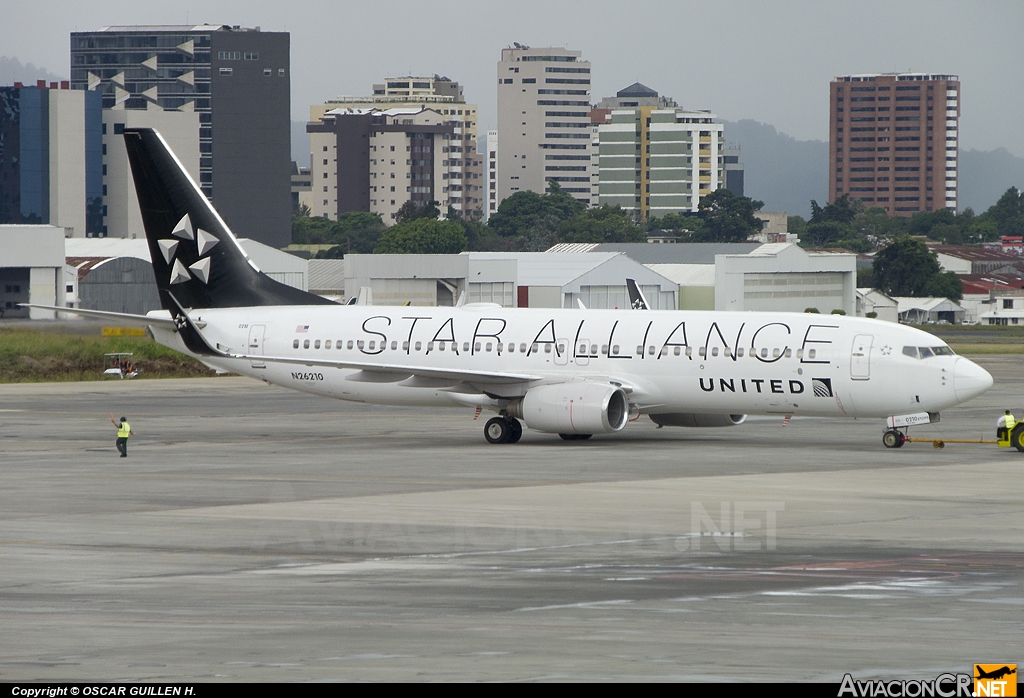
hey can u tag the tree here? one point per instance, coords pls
(604, 224)
(412, 210)
(727, 217)
(842, 210)
(907, 268)
(355, 231)
(525, 210)
(423, 236)
(1008, 213)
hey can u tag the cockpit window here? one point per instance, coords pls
(926, 352)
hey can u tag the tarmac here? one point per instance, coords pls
(258, 534)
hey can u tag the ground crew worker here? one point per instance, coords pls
(124, 430)
(1005, 425)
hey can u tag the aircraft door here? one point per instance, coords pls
(562, 349)
(256, 336)
(860, 357)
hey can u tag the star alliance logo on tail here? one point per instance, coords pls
(822, 387)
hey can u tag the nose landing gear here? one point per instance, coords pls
(893, 438)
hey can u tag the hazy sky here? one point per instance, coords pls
(742, 59)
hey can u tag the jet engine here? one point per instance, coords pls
(582, 407)
(692, 419)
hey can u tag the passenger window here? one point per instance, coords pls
(455, 347)
(394, 345)
(476, 346)
(373, 345)
(430, 346)
(295, 345)
(677, 350)
(811, 353)
(789, 352)
(800, 353)
(583, 348)
(727, 351)
(547, 348)
(327, 344)
(465, 346)
(349, 345)
(316, 344)
(339, 344)
(534, 348)
(488, 347)
(650, 350)
(764, 353)
(359, 343)
(615, 349)
(305, 344)
(926, 353)
(739, 352)
(405, 346)
(419, 345)
(511, 347)
(776, 353)
(714, 351)
(561, 348)
(701, 352)
(639, 350)
(440, 346)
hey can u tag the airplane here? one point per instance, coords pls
(996, 674)
(574, 372)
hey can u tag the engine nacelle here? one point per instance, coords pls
(583, 407)
(693, 419)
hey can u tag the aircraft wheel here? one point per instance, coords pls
(892, 439)
(497, 430)
(516, 430)
(1017, 437)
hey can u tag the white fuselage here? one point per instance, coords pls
(667, 361)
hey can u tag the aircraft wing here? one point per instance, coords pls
(395, 369)
(107, 315)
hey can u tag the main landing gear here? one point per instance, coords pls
(503, 430)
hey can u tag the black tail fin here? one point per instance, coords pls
(194, 254)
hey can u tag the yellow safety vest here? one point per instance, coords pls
(123, 430)
(1010, 422)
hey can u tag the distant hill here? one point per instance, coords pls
(786, 173)
(11, 71)
(779, 170)
(985, 175)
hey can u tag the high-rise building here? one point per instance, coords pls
(463, 185)
(543, 121)
(733, 169)
(51, 168)
(236, 79)
(491, 173)
(893, 141)
(376, 160)
(656, 158)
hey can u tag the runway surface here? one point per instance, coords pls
(257, 534)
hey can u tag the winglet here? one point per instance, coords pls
(636, 296)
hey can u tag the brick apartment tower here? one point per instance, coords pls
(893, 141)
